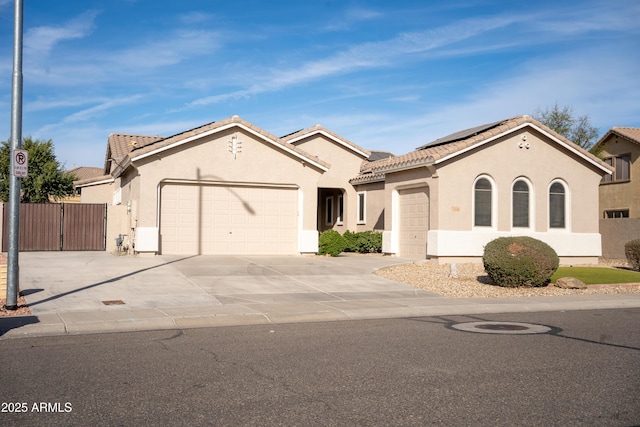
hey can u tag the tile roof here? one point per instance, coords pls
(292, 138)
(459, 142)
(86, 172)
(120, 145)
(168, 142)
(632, 134)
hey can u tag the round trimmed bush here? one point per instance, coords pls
(331, 243)
(519, 261)
(632, 252)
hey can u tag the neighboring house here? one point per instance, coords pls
(82, 173)
(620, 192)
(230, 187)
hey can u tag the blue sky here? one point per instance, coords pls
(387, 75)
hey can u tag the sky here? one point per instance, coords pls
(386, 75)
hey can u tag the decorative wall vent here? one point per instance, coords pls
(234, 146)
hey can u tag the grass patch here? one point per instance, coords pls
(597, 275)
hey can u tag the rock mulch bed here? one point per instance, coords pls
(473, 282)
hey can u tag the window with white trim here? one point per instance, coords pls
(339, 219)
(362, 214)
(482, 203)
(557, 205)
(328, 205)
(520, 204)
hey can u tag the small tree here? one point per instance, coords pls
(46, 179)
(563, 121)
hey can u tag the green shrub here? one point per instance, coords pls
(364, 242)
(331, 243)
(632, 252)
(519, 261)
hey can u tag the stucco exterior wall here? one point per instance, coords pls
(375, 197)
(504, 161)
(345, 164)
(100, 193)
(621, 195)
(540, 163)
(615, 233)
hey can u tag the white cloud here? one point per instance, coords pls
(401, 48)
(39, 41)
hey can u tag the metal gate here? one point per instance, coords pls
(58, 227)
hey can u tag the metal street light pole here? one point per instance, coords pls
(16, 144)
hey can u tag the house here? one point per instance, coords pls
(230, 187)
(619, 192)
(82, 173)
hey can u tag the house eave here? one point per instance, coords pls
(90, 184)
(567, 146)
(331, 137)
(178, 143)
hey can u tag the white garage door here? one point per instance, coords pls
(225, 220)
(414, 222)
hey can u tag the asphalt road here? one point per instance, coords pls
(583, 371)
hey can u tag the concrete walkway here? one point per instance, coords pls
(90, 292)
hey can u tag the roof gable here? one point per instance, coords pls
(301, 135)
(628, 133)
(456, 144)
(153, 146)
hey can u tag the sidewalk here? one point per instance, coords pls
(95, 292)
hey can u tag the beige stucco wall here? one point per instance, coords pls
(208, 160)
(616, 232)
(375, 197)
(621, 195)
(345, 164)
(504, 161)
(101, 193)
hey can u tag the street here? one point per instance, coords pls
(582, 368)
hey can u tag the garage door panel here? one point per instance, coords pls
(228, 220)
(414, 222)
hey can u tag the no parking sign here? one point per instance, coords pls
(20, 163)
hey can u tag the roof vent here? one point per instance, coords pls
(133, 143)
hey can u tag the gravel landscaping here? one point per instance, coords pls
(473, 282)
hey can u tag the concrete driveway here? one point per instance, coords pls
(89, 292)
(68, 281)
(96, 291)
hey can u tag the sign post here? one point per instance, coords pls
(16, 145)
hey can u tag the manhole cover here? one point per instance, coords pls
(513, 328)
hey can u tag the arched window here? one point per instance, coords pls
(557, 211)
(482, 203)
(520, 204)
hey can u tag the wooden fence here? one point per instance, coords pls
(58, 227)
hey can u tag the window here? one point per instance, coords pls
(520, 204)
(340, 217)
(556, 206)
(328, 217)
(617, 213)
(622, 168)
(361, 208)
(482, 203)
